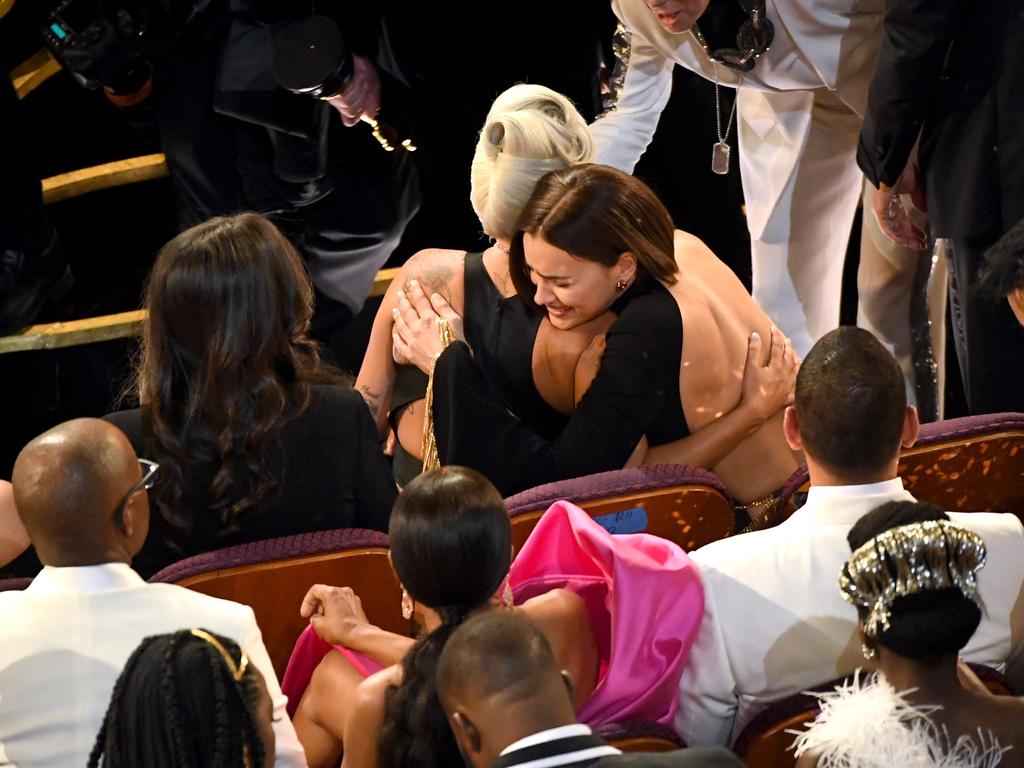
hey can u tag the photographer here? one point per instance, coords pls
(235, 140)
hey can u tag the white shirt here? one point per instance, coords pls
(775, 622)
(64, 641)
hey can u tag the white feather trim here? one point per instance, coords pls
(866, 724)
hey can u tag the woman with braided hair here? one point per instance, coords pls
(601, 601)
(190, 699)
(913, 579)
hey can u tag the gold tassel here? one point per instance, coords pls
(428, 445)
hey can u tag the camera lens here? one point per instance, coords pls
(310, 57)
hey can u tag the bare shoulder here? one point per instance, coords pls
(688, 243)
(371, 692)
(436, 268)
(557, 607)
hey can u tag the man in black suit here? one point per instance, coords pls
(949, 77)
(509, 704)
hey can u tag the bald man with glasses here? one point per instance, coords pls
(81, 494)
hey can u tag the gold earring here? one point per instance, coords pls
(506, 596)
(621, 285)
(868, 651)
(407, 606)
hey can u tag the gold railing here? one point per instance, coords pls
(26, 77)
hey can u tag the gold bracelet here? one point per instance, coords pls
(428, 444)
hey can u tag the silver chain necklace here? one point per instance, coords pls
(721, 151)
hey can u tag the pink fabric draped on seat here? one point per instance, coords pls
(645, 602)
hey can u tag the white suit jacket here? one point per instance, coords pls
(818, 44)
(65, 639)
(775, 622)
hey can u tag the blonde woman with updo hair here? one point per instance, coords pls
(530, 130)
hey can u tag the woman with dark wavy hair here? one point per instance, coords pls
(256, 438)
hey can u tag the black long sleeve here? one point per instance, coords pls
(635, 393)
(916, 36)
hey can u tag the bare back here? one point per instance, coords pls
(718, 317)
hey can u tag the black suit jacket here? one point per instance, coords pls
(952, 72)
(682, 758)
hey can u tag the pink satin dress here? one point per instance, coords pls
(645, 602)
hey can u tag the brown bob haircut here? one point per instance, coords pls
(596, 213)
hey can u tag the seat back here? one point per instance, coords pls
(767, 740)
(273, 576)
(973, 464)
(640, 736)
(683, 504)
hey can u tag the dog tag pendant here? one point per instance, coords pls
(720, 158)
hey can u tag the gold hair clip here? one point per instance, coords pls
(237, 670)
(908, 559)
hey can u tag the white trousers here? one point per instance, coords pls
(802, 186)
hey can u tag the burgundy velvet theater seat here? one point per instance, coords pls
(972, 464)
(683, 504)
(273, 576)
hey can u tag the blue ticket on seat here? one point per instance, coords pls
(632, 520)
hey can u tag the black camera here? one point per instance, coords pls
(105, 42)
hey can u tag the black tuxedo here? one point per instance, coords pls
(585, 747)
(952, 73)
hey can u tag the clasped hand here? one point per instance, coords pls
(415, 339)
(335, 613)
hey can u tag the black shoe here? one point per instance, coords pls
(28, 282)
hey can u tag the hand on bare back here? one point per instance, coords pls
(767, 389)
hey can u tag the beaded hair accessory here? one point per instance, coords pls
(237, 669)
(909, 559)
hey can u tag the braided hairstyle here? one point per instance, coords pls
(176, 704)
(451, 547)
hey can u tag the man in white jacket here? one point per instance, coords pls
(775, 622)
(798, 109)
(82, 497)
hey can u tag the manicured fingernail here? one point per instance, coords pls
(394, 313)
(413, 284)
(400, 295)
(755, 336)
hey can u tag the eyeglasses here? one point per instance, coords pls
(149, 469)
(754, 38)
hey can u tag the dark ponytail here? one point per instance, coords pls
(451, 546)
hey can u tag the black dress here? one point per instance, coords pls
(331, 474)
(635, 394)
(501, 331)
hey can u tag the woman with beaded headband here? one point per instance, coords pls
(913, 580)
(190, 699)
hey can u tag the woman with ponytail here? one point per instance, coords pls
(190, 699)
(451, 551)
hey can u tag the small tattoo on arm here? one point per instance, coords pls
(372, 399)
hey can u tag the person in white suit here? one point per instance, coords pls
(800, 70)
(774, 622)
(80, 493)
